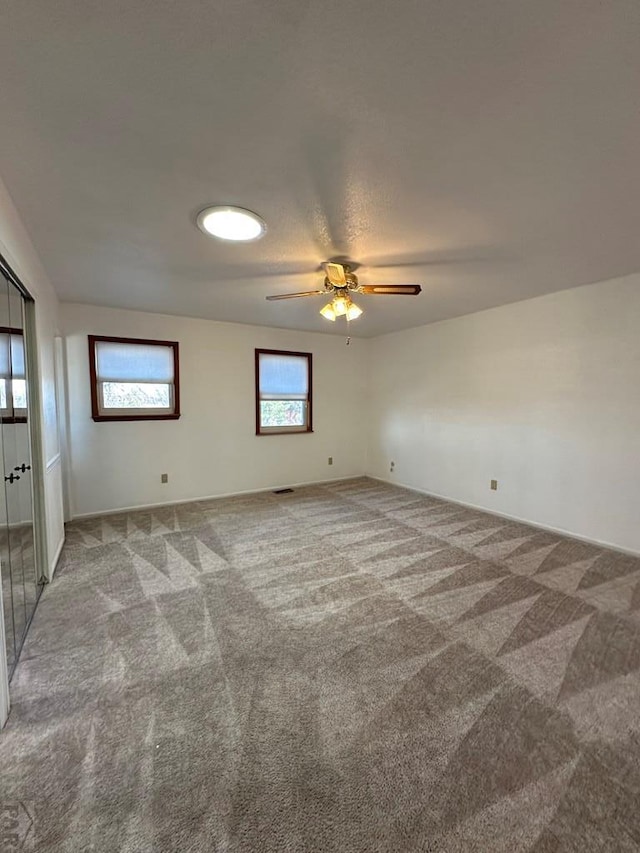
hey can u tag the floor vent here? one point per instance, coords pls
(282, 491)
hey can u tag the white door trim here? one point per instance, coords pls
(63, 420)
(37, 439)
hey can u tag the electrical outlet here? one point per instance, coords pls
(392, 467)
(494, 485)
(164, 478)
(330, 460)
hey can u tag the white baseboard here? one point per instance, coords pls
(215, 497)
(560, 530)
(14, 525)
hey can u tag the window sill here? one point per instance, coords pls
(284, 432)
(108, 418)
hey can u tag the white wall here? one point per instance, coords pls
(19, 252)
(542, 395)
(212, 449)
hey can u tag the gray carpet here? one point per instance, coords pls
(353, 667)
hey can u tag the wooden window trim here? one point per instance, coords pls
(284, 430)
(95, 405)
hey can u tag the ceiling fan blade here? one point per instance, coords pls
(335, 274)
(391, 289)
(296, 295)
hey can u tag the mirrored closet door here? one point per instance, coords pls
(20, 587)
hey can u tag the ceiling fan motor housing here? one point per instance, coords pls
(351, 280)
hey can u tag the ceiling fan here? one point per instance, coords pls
(341, 282)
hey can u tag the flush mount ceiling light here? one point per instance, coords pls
(231, 223)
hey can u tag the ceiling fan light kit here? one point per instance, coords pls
(328, 313)
(341, 282)
(341, 306)
(353, 311)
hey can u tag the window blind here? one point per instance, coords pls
(283, 377)
(123, 362)
(11, 356)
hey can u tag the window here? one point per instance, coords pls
(133, 380)
(283, 392)
(13, 382)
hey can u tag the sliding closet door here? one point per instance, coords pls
(23, 494)
(6, 575)
(17, 557)
(10, 555)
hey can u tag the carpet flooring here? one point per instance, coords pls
(352, 667)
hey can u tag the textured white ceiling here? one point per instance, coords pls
(488, 151)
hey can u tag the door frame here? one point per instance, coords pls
(34, 403)
(62, 395)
